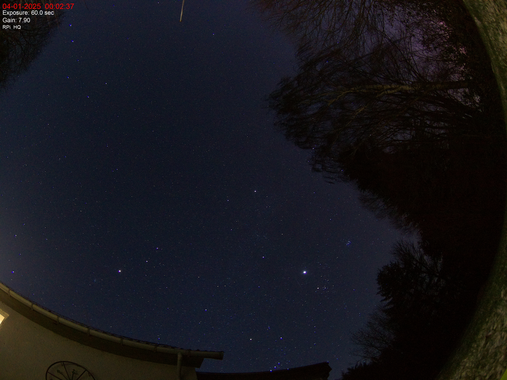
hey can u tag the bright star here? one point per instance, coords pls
(304, 272)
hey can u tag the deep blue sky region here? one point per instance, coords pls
(146, 192)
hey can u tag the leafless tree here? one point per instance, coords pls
(20, 47)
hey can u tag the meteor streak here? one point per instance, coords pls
(181, 14)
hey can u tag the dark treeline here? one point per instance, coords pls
(399, 98)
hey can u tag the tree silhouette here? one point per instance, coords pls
(410, 114)
(403, 81)
(319, 24)
(413, 280)
(20, 47)
(421, 304)
(385, 98)
(375, 338)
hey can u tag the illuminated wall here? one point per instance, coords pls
(33, 339)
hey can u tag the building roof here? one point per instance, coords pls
(112, 343)
(319, 371)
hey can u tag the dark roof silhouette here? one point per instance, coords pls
(319, 371)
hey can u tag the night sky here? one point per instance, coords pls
(145, 191)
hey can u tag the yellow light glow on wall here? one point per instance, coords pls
(3, 315)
